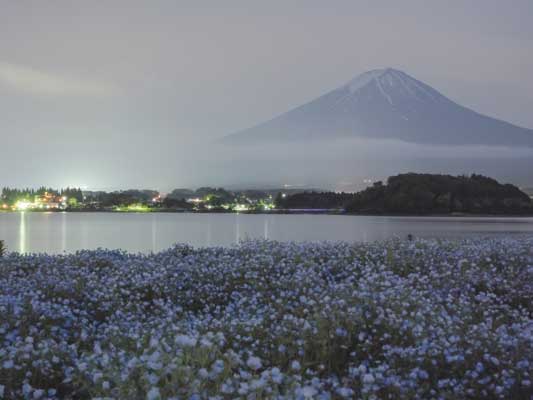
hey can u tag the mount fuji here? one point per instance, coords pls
(385, 104)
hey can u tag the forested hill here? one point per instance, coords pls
(314, 200)
(428, 193)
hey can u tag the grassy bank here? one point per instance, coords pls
(421, 319)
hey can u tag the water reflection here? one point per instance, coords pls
(237, 228)
(63, 231)
(265, 230)
(59, 232)
(22, 232)
(154, 235)
(84, 234)
(208, 241)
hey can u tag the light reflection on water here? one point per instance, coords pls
(22, 232)
(60, 232)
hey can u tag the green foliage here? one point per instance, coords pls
(314, 200)
(180, 194)
(175, 203)
(73, 194)
(430, 193)
(124, 198)
(215, 195)
(278, 201)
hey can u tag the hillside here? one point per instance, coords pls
(314, 200)
(429, 193)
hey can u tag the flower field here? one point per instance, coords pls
(397, 319)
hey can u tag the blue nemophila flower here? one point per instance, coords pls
(153, 394)
(423, 319)
(254, 363)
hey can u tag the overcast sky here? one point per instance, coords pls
(108, 93)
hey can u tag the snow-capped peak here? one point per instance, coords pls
(392, 82)
(364, 79)
(386, 104)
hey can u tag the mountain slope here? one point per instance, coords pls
(386, 104)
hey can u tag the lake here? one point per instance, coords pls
(60, 232)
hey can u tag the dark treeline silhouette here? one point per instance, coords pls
(172, 203)
(402, 194)
(420, 194)
(72, 193)
(121, 198)
(314, 200)
(430, 193)
(216, 196)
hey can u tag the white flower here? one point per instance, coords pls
(295, 365)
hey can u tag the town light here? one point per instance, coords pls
(22, 205)
(241, 207)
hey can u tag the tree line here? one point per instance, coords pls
(10, 196)
(420, 194)
(432, 193)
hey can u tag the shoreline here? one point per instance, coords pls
(278, 212)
